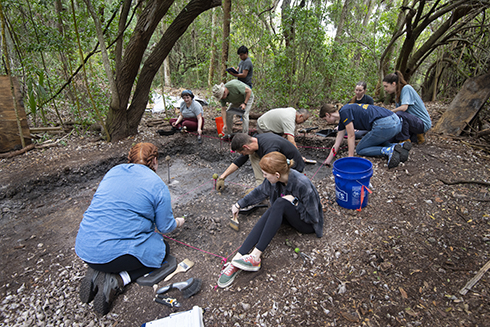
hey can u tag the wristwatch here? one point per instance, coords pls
(295, 201)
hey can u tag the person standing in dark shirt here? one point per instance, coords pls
(245, 67)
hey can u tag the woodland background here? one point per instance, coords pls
(85, 62)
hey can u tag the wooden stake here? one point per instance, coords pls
(475, 279)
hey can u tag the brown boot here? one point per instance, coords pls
(421, 138)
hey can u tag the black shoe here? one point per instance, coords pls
(403, 149)
(109, 287)
(394, 159)
(88, 287)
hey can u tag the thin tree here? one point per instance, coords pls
(213, 48)
(226, 38)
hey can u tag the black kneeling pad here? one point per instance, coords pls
(165, 132)
(159, 274)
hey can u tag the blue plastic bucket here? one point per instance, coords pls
(351, 173)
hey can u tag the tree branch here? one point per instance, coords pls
(105, 57)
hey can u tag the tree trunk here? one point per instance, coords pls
(341, 22)
(226, 38)
(166, 70)
(287, 21)
(123, 120)
(412, 64)
(121, 27)
(407, 62)
(212, 61)
(65, 66)
(369, 8)
(385, 58)
(105, 56)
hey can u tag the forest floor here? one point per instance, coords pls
(400, 261)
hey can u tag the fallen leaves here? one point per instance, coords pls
(403, 293)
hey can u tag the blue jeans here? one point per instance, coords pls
(381, 132)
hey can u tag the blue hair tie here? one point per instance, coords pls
(288, 161)
(187, 92)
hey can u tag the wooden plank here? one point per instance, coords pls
(45, 129)
(9, 131)
(475, 279)
(465, 106)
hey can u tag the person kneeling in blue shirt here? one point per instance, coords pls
(117, 237)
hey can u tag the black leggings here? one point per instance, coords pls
(268, 225)
(128, 263)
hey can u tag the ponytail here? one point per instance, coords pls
(143, 154)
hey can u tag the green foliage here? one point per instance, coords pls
(311, 70)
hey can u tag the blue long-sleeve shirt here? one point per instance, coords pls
(129, 203)
(309, 207)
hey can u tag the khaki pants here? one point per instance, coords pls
(254, 160)
(230, 112)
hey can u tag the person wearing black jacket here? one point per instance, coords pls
(294, 200)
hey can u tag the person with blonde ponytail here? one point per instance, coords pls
(117, 237)
(293, 200)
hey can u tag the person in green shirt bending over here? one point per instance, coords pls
(240, 97)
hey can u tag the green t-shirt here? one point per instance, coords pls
(236, 95)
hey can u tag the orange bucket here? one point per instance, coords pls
(219, 125)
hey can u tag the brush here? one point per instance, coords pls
(182, 267)
(188, 288)
(234, 224)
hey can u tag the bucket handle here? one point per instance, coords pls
(362, 194)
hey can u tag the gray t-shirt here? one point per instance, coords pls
(415, 104)
(246, 65)
(192, 111)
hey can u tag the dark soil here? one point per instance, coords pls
(401, 261)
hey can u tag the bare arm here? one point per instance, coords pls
(178, 120)
(351, 138)
(230, 170)
(248, 93)
(336, 146)
(290, 138)
(223, 114)
(403, 107)
(199, 124)
(240, 75)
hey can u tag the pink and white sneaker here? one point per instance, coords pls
(227, 275)
(247, 262)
